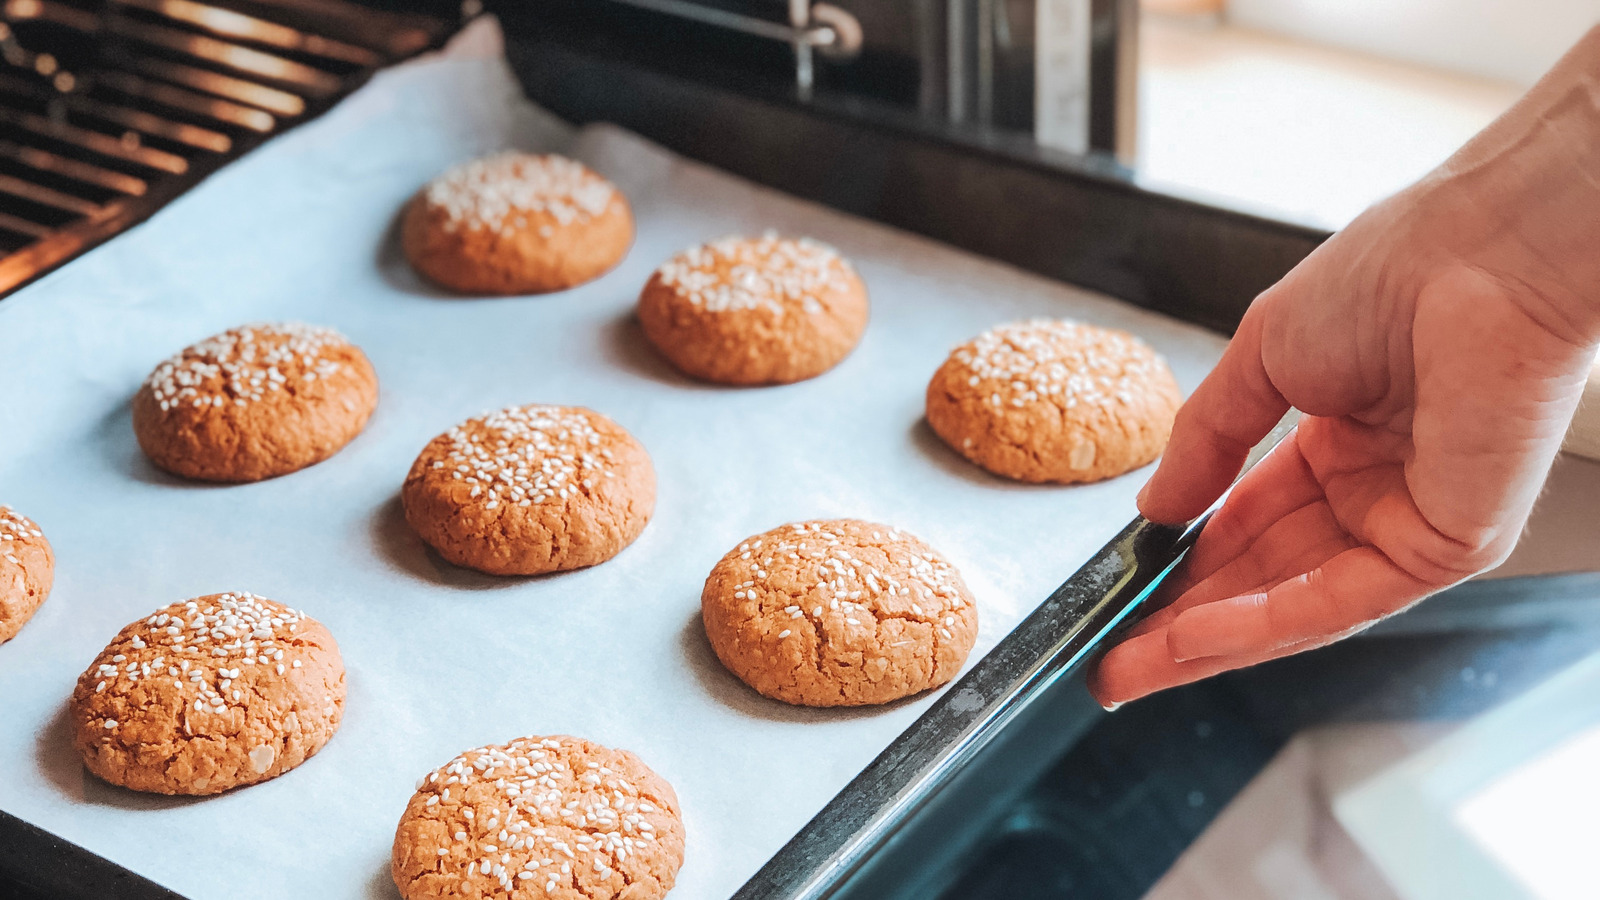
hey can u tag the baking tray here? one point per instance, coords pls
(441, 659)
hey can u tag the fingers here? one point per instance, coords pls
(1268, 527)
(1352, 589)
(1143, 665)
(1259, 604)
(1232, 409)
(1280, 484)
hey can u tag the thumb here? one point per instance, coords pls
(1227, 415)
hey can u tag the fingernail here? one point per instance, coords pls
(1111, 707)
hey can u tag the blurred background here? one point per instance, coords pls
(1241, 99)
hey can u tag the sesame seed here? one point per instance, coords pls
(784, 276)
(174, 649)
(1057, 362)
(245, 364)
(498, 192)
(600, 808)
(868, 574)
(526, 455)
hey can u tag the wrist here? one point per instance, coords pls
(1521, 202)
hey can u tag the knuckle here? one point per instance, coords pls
(1439, 559)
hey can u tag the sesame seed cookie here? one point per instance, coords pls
(209, 694)
(838, 613)
(767, 310)
(255, 402)
(1051, 400)
(27, 569)
(531, 489)
(516, 223)
(540, 817)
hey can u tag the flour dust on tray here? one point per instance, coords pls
(27, 569)
(540, 817)
(516, 223)
(838, 612)
(209, 694)
(1050, 400)
(255, 402)
(531, 489)
(746, 311)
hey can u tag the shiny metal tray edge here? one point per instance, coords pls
(1070, 625)
(1101, 600)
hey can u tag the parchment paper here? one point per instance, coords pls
(441, 659)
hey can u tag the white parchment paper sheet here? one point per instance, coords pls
(441, 659)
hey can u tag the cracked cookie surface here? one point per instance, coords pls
(540, 817)
(255, 402)
(531, 489)
(746, 311)
(838, 612)
(516, 223)
(209, 694)
(27, 569)
(1051, 400)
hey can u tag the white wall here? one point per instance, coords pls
(1509, 40)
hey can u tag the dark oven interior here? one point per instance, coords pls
(110, 108)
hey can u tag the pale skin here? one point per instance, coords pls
(1437, 347)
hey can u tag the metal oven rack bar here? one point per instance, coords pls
(109, 109)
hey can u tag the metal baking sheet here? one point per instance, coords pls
(441, 659)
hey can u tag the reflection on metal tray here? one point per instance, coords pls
(108, 110)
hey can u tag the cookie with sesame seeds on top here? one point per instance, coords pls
(838, 613)
(27, 569)
(516, 223)
(255, 402)
(531, 489)
(540, 817)
(748, 311)
(209, 694)
(1051, 400)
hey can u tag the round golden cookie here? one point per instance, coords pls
(767, 310)
(209, 694)
(516, 223)
(552, 817)
(1054, 400)
(838, 613)
(27, 569)
(531, 489)
(255, 402)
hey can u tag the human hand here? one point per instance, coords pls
(1437, 347)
